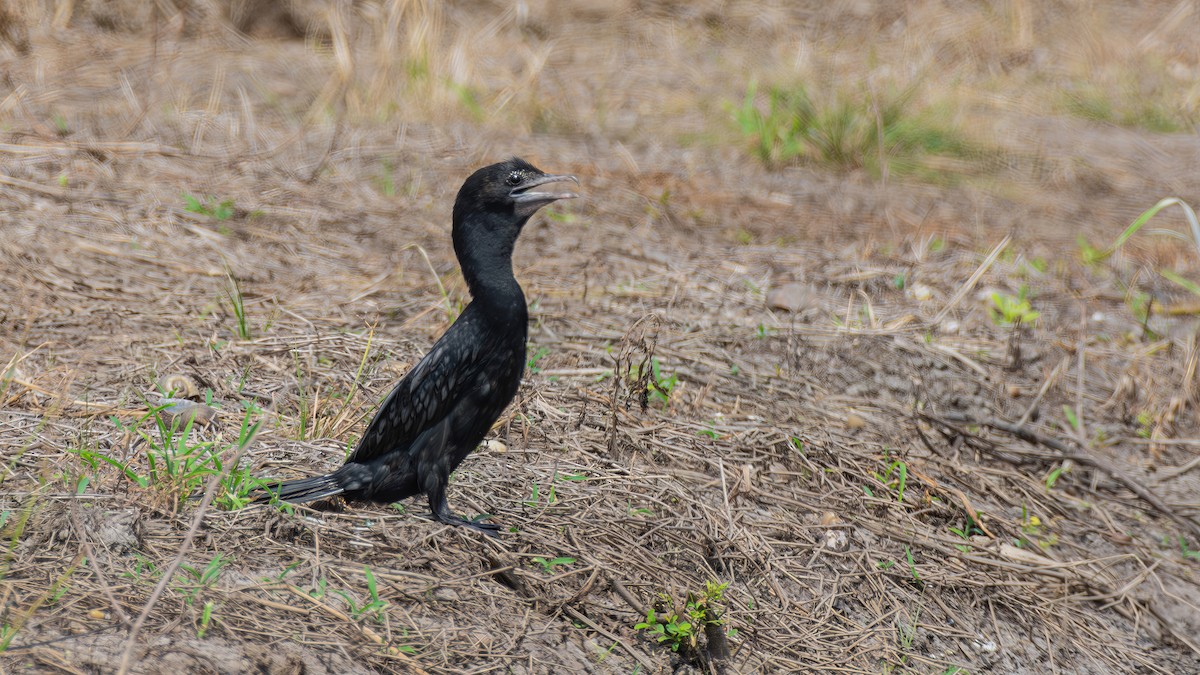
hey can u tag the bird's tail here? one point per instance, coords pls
(299, 490)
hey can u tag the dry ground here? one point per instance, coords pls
(887, 478)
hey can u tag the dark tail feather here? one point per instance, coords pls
(300, 490)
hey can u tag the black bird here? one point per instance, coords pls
(445, 405)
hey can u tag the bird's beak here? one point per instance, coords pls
(524, 195)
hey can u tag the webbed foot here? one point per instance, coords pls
(443, 514)
(490, 529)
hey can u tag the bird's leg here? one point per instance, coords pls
(442, 513)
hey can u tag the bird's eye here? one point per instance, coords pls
(514, 178)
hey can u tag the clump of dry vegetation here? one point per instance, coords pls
(842, 363)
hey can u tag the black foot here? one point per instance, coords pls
(443, 514)
(490, 529)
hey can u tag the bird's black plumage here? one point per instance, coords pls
(445, 405)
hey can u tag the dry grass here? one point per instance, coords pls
(888, 480)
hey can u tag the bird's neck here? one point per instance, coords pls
(485, 251)
(494, 284)
(489, 275)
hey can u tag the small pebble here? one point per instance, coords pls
(1181, 72)
(837, 540)
(985, 646)
(794, 297)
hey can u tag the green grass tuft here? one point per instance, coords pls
(1132, 111)
(886, 135)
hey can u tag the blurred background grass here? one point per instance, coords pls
(911, 80)
(1058, 117)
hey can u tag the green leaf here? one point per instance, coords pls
(1054, 476)
(193, 204)
(1069, 413)
(1170, 275)
(1150, 213)
(371, 588)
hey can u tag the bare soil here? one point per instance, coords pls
(888, 477)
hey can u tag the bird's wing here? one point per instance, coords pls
(422, 400)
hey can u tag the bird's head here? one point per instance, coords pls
(510, 189)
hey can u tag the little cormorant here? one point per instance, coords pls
(446, 403)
